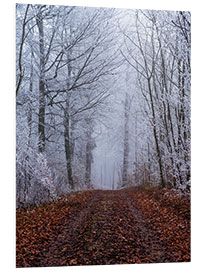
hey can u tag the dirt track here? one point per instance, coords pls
(104, 227)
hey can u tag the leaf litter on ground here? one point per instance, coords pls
(105, 227)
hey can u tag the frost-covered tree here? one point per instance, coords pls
(153, 45)
(65, 56)
(95, 79)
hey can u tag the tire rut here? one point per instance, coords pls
(70, 237)
(108, 228)
(150, 247)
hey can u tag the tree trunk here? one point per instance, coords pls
(155, 135)
(21, 52)
(126, 141)
(67, 145)
(88, 164)
(41, 119)
(29, 117)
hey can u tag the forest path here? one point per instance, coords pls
(103, 227)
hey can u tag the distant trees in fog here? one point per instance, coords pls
(69, 63)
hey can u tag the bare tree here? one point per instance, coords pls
(162, 71)
(126, 139)
(20, 56)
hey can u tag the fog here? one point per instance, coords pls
(102, 99)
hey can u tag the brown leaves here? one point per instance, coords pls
(105, 227)
(169, 213)
(73, 262)
(35, 228)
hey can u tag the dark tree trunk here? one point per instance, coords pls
(68, 155)
(21, 52)
(155, 135)
(89, 147)
(68, 130)
(41, 119)
(126, 141)
(88, 164)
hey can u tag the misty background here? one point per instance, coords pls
(102, 99)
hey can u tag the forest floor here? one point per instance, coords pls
(136, 225)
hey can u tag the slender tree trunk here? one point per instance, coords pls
(30, 100)
(21, 52)
(89, 148)
(67, 131)
(67, 145)
(88, 164)
(149, 164)
(126, 141)
(29, 119)
(168, 125)
(41, 120)
(155, 135)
